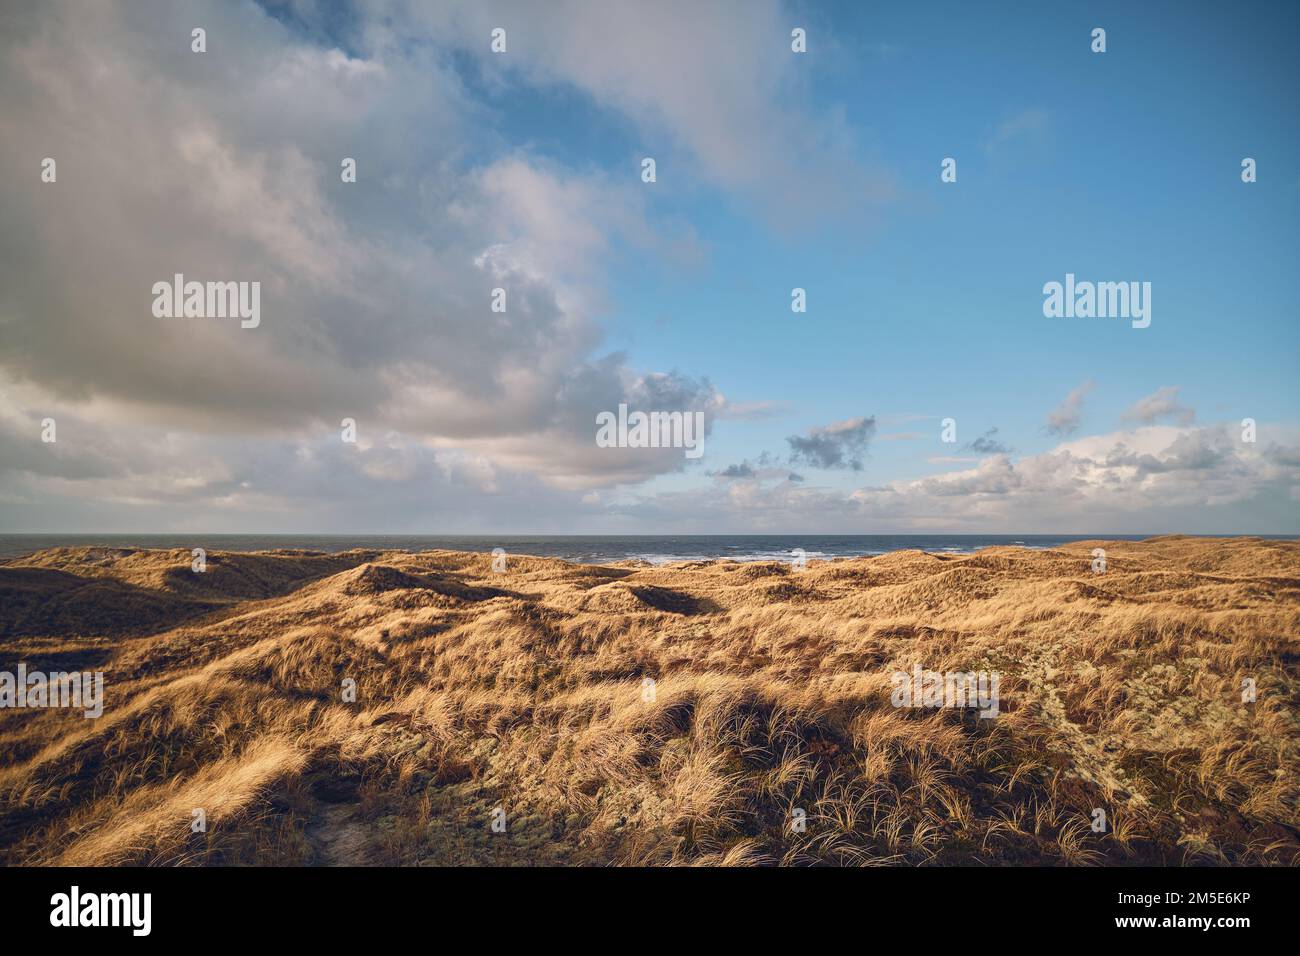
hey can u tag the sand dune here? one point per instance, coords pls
(687, 713)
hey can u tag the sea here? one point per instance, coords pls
(585, 549)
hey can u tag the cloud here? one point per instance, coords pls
(375, 295)
(713, 84)
(1065, 419)
(108, 477)
(767, 470)
(118, 477)
(742, 470)
(986, 444)
(1151, 480)
(1161, 404)
(841, 445)
(1103, 483)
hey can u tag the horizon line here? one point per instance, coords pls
(655, 534)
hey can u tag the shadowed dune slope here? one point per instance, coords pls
(700, 712)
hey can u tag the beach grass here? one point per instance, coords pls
(703, 713)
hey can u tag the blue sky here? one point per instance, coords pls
(775, 170)
(1126, 165)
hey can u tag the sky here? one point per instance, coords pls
(775, 170)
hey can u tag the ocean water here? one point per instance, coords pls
(586, 549)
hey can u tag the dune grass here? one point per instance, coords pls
(702, 713)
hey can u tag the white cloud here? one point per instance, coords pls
(1149, 480)
(715, 81)
(375, 295)
(1065, 419)
(1161, 404)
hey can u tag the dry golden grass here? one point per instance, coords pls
(524, 690)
